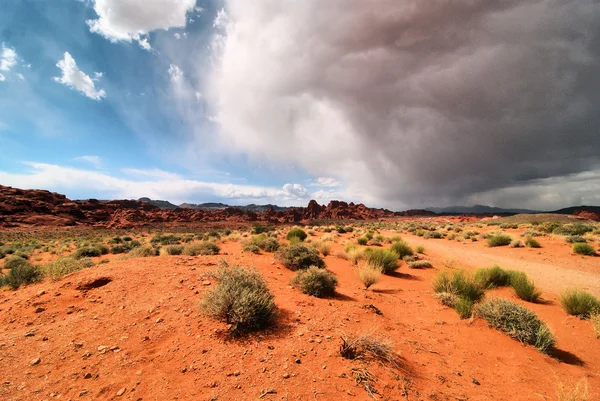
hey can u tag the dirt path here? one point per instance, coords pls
(554, 276)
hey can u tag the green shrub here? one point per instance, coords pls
(493, 277)
(419, 264)
(174, 249)
(387, 260)
(420, 249)
(241, 299)
(14, 261)
(583, 248)
(88, 252)
(369, 235)
(165, 239)
(127, 238)
(259, 229)
(299, 256)
(315, 281)
(262, 242)
(142, 252)
(433, 234)
(201, 248)
(516, 321)
(573, 229)
(460, 285)
(579, 303)
(499, 240)
(250, 247)
(464, 307)
(573, 239)
(524, 287)
(66, 265)
(22, 274)
(362, 241)
(401, 249)
(296, 233)
(531, 242)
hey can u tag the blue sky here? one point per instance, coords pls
(241, 101)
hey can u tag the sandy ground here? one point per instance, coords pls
(143, 337)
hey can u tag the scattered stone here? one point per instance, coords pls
(39, 309)
(206, 282)
(114, 348)
(236, 373)
(88, 375)
(298, 361)
(83, 392)
(475, 381)
(286, 375)
(183, 370)
(35, 361)
(45, 338)
(159, 320)
(102, 349)
(30, 333)
(121, 392)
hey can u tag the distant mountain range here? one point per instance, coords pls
(479, 209)
(213, 206)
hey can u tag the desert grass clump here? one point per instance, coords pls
(297, 233)
(531, 242)
(516, 244)
(388, 260)
(362, 240)
(577, 302)
(464, 307)
(141, 252)
(241, 299)
(493, 277)
(420, 249)
(369, 274)
(173, 249)
(89, 252)
(518, 322)
(201, 248)
(315, 281)
(498, 240)
(323, 247)
(65, 265)
(262, 242)
(459, 292)
(524, 287)
(299, 256)
(369, 347)
(14, 261)
(420, 264)
(401, 249)
(355, 254)
(577, 393)
(583, 248)
(23, 274)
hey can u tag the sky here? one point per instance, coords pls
(392, 103)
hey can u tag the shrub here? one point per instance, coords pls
(66, 265)
(531, 242)
(524, 287)
(369, 274)
(241, 299)
(322, 246)
(573, 229)
(516, 244)
(355, 255)
(579, 303)
(573, 239)
(420, 249)
(433, 234)
(262, 242)
(583, 248)
(464, 307)
(498, 240)
(299, 256)
(250, 247)
(493, 277)
(165, 239)
(516, 321)
(315, 281)
(14, 261)
(87, 252)
(22, 274)
(296, 233)
(201, 248)
(401, 249)
(362, 241)
(142, 252)
(174, 249)
(419, 264)
(388, 260)
(368, 347)
(259, 229)
(450, 289)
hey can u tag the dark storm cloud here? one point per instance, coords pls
(415, 102)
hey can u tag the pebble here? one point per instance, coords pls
(102, 349)
(83, 392)
(88, 375)
(35, 361)
(30, 333)
(206, 282)
(121, 392)
(39, 310)
(159, 320)
(286, 375)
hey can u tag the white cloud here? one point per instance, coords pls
(177, 35)
(8, 58)
(152, 183)
(151, 173)
(326, 182)
(76, 79)
(296, 191)
(21, 77)
(132, 20)
(2, 78)
(175, 73)
(94, 160)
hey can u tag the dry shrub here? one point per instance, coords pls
(141, 252)
(299, 256)
(341, 255)
(314, 281)
(420, 264)
(355, 254)
(369, 347)
(66, 265)
(322, 246)
(369, 274)
(577, 393)
(201, 248)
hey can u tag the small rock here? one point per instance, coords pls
(298, 361)
(286, 375)
(88, 375)
(83, 392)
(30, 333)
(35, 361)
(159, 320)
(236, 373)
(102, 349)
(183, 370)
(475, 381)
(39, 310)
(121, 392)
(206, 282)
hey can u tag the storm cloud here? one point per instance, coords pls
(411, 102)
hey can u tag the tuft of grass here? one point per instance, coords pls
(493, 277)
(362, 240)
(518, 322)
(577, 393)
(299, 256)
(14, 261)
(141, 252)
(323, 247)
(241, 298)
(369, 347)
(499, 240)
(297, 233)
(65, 265)
(516, 244)
(23, 274)
(531, 242)
(583, 248)
(315, 281)
(464, 307)
(524, 287)
(387, 260)
(460, 285)
(369, 274)
(90, 252)
(250, 247)
(174, 249)
(201, 248)
(420, 249)
(401, 249)
(420, 264)
(355, 255)
(577, 302)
